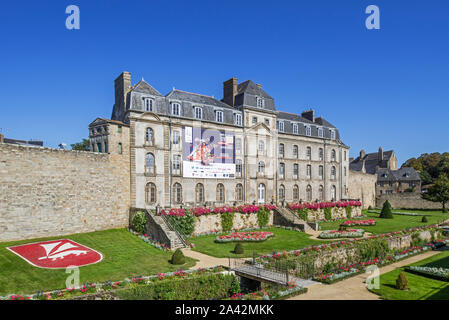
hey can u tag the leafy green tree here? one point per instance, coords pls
(439, 192)
(81, 146)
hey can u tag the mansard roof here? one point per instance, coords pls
(143, 87)
(197, 98)
(252, 88)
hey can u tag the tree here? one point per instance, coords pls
(81, 146)
(439, 192)
(386, 212)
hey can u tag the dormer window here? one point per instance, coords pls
(308, 131)
(148, 104)
(175, 109)
(198, 113)
(260, 102)
(237, 119)
(280, 126)
(295, 128)
(333, 134)
(320, 132)
(219, 116)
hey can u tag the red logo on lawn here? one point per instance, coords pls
(57, 254)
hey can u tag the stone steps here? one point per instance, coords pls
(294, 220)
(175, 239)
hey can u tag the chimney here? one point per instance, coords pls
(363, 170)
(1, 138)
(380, 155)
(362, 154)
(309, 115)
(122, 84)
(229, 91)
(351, 159)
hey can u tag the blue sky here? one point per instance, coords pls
(386, 87)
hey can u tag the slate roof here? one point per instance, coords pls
(371, 162)
(252, 88)
(403, 174)
(196, 98)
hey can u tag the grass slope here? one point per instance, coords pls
(124, 255)
(388, 225)
(421, 288)
(282, 240)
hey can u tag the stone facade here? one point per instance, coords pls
(407, 200)
(211, 222)
(48, 192)
(362, 186)
(302, 156)
(336, 213)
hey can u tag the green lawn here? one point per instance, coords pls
(421, 288)
(124, 255)
(397, 223)
(282, 240)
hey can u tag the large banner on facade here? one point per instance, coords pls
(208, 153)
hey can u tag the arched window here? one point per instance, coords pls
(295, 193)
(239, 192)
(149, 136)
(150, 193)
(333, 193)
(281, 150)
(149, 163)
(177, 193)
(321, 193)
(261, 193)
(333, 155)
(333, 172)
(199, 193)
(261, 168)
(281, 192)
(309, 193)
(220, 193)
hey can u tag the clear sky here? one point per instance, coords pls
(387, 87)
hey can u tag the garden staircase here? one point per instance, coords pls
(289, 219)
(167, 232)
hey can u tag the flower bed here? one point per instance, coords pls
(245, 236)
(335, 234)
(323, 205)
(432, 272)
(353, 223)
(354, 269)
(200, 211)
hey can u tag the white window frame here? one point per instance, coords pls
(260, 102)
(320, 132)
(176, 106)
(198, 113)
(219, 116)
(332, 134)
(295, 128)
(150, 107)
(238, 119)
(281, 126)
(308, 131)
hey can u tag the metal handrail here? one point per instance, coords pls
(176, 228)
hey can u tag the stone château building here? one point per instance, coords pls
(191, 149)
(384, 165)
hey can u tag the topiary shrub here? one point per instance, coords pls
(178, 257)
(139, 221)
(402, 282)
(424, 219)
(238, 249)
(386, 212)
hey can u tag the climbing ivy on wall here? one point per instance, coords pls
(185, 223)
(349, 212)
(227, 221)
(263, 217)
(328, 213)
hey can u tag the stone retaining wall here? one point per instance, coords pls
(51, 192)
(336, 213)
(407, 200)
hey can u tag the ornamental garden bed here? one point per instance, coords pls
(337, 234)
(354, 223)
(431, 272)
(254, 236)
